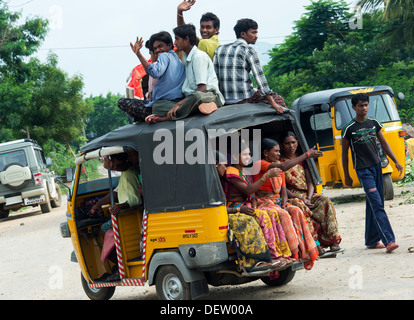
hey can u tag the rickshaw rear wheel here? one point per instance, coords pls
(97, 293)
(170, 284)
(285, 276)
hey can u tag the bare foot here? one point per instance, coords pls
(207, 107)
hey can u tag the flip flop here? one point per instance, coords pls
(260, 266)
(379, 245)
(391, 247)
(151, 119)
(278, 263)
(411, 249)
(335, 247)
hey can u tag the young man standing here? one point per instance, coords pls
(361, 135)
(170, 72)
(233, 63)
(209, 28)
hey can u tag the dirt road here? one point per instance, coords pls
(35, 262)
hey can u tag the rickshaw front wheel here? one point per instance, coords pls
(97, 293)
(170, 284)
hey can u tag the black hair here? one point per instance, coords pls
(288, 134)
(120, 156)
(186, 30)
(268, 144)
(211, 17)
(359, 97)
(244, 25)
(163, 36)
(148, 46)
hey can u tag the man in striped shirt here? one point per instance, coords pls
(233, 63)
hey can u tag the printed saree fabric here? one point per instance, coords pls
(268, 220)
(246, 238)
(323, 213)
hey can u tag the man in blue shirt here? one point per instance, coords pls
(170, 72)
(200, 87)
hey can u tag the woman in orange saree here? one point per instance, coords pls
(239, 190)
(272, 194)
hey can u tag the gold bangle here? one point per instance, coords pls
(263, 179)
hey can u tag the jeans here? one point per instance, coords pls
(377, 225)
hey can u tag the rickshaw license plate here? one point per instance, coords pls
(33, 200)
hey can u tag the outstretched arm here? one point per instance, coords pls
(183, 6)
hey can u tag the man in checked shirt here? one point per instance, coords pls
(233, 63)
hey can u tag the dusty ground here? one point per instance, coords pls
(35, 261)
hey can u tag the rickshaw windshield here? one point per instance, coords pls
(381, 107)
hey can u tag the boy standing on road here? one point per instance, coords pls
(361, 135)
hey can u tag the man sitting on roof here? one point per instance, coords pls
(170, 72)
(200, 86)
(233, 63)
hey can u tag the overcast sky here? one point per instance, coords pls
(91, 37)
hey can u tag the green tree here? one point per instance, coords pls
(322, 19)
(17, 43)
(400, 13)
(106, 115)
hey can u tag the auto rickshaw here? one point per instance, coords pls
(323, 114)
(185, 229)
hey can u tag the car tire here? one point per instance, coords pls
(58, 201)
(46, 207)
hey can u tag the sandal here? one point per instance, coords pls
(151, 119)
(278, 263)
(260, 266)
(321, 251)
(391, 247)
(335, 247)
(379, 245)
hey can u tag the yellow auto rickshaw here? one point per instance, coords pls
(323, 114)
(185, 229)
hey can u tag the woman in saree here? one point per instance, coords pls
(301, 192)
(245, 235)
(273, 194)
(239, 190)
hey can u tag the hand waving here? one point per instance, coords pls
(137, 46)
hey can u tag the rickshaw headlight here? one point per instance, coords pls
(384, 162)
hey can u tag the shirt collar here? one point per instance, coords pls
(242, 41)
(189, 57)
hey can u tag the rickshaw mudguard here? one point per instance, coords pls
(172, 258)
(387, 169)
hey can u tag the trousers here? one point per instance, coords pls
(377, 224)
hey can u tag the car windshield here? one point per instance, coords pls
(17, 156)
(381, 107)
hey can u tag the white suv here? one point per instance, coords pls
(25, 179)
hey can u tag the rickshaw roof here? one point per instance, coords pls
(174, 187)
(330, 96)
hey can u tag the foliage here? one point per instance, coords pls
(106, 116)
(347, 57)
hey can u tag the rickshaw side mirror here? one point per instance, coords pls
(400, 96)
(325, 107)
